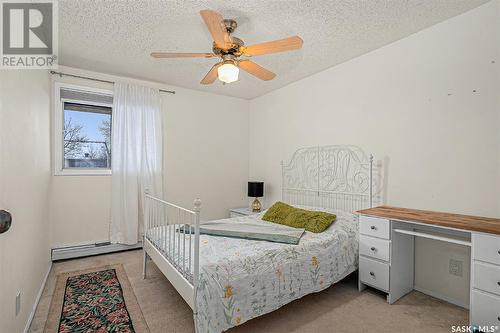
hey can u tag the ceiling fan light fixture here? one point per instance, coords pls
(230, 48)
(228, 72)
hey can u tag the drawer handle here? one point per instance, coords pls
(373, 228)
(373, 249)
(372, 274)
(498, 283)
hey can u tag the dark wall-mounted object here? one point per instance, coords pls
(5, 221)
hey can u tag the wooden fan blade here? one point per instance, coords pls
(256, 70)
(213, 20)
(181, 55)
(211, 75)
(281, 45)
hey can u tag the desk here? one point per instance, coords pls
(386, 253)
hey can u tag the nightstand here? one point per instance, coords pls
(243, 211)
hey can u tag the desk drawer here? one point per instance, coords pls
(485, 309)
(374, 226)
(487, 277)
(486, 248)
(374, 273)
(374, 247)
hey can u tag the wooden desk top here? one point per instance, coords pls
(457, 221)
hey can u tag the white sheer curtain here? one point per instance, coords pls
(136, 160)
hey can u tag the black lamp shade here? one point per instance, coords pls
(255, 189)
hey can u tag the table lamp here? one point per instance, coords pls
(256, 190)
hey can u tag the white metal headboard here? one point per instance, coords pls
(337, 177)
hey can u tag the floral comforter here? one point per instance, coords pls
(241, 279)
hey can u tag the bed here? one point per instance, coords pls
(228, 280)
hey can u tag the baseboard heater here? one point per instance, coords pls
(69, 252)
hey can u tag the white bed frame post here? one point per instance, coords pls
(196, 269)
(371, 181)
(144, 230)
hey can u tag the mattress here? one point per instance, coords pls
(241, 279)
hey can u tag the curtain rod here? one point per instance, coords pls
(98, 80)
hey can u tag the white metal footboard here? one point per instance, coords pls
(171, 240)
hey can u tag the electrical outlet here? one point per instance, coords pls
(18, 303)
(456, 267)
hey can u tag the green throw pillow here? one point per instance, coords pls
(278, 212)
(313, 221)
(310, 220)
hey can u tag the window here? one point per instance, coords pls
(87, 136)
(82, 140)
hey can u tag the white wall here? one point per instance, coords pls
(427, 106)
(24, 191)
(206, 151)
(80, 209)
(206, 156)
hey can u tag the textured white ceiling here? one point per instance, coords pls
(116, 37)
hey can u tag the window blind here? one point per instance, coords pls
(85, 96)
(87, 108)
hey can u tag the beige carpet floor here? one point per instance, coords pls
(340, 308)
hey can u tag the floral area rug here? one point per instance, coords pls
(95, 301)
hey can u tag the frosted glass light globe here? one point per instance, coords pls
(228, 73)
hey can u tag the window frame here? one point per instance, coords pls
(59, 169)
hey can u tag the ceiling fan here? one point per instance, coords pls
(229, 49)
